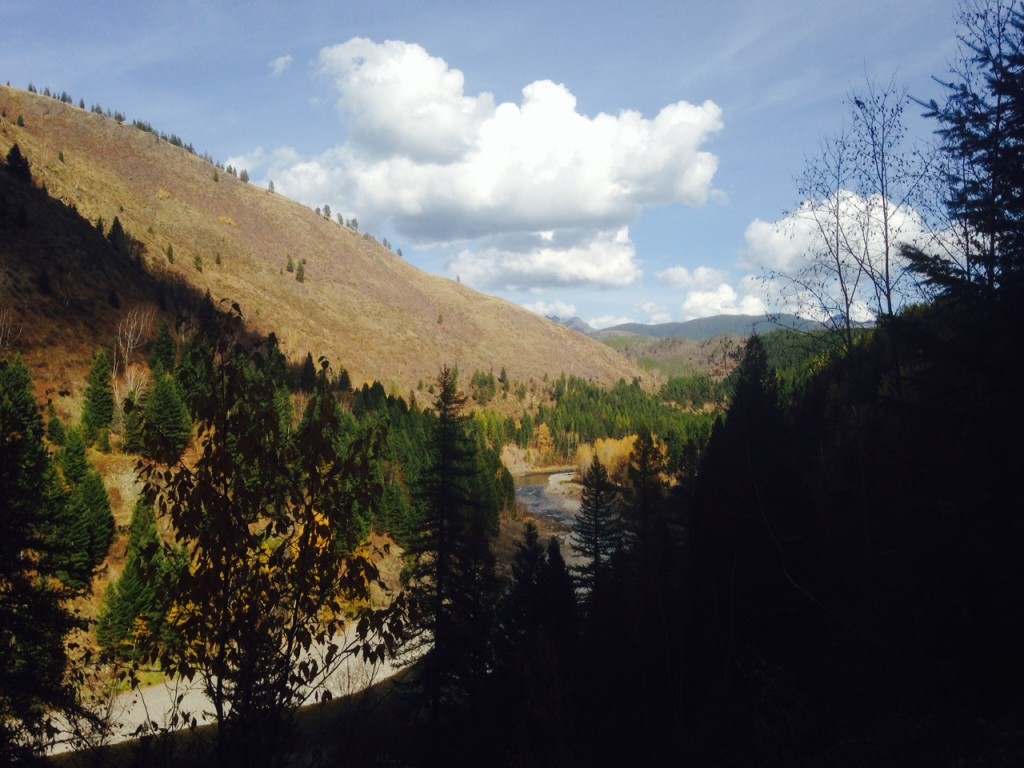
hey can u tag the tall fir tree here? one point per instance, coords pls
(135, 609)
(98, 410)
(596, 531)
(34, 621)
(454, 571)
(167, 425)
(165, 353)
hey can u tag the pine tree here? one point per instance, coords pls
(164, 350)
(99, 517)
(596, 532)
(33, 619)
(17, 163)
(133, 611)
(72, 459)
(167, 426)
(454, 571)
(307, 375)
(98, 410)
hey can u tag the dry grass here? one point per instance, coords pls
(360, 305)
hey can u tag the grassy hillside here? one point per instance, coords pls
(360, 304)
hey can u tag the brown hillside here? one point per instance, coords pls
(360, 305)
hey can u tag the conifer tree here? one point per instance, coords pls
(98, 410)
(33, 619)
(167, 426)
(164, 351)
(134, 611)
(454, 571)
(307, 374)
(596, 532)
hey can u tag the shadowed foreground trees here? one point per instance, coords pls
(257, 614)
(34, 621)
(453, 584)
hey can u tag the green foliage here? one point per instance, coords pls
(290, 266)
(87, 519)
(453, 571)
(98, 409)
(167, 427)
(693, 391)
(483, 387)
(55, 430)
(258, 513)
(980, 125)
(135, 607)
(596, 530)
(584, 412)
(165, 353)
(197, 262)
(300, 271)
(34, 622)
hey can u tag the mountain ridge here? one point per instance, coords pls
(360, 305)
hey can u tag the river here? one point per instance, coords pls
(551, 500)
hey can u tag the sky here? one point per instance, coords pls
(619, 162)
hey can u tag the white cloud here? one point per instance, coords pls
(605, 259)
(702, 278)
(529, 192)
(280, 65)
(555, 308)
(607, 321)
(792, 247)
(721, 300)
(655, 312)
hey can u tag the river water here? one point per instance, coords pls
(552, 501)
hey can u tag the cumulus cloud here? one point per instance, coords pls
(280, 65)
(605, 260)
(607, 321)
(702, 278)
(806, 245)
(722, 300)
(655, 312)
(441, 166)
(555, 308)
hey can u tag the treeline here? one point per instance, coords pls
(119, 117)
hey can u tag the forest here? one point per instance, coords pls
(816, 562)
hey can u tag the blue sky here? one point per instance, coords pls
(615, 161)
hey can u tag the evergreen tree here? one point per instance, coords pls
(72, 459)
(981, 125)
(88, 523)
(95, 503)
(596, 532)
(307, 375)
(167, 426)
(164, 350)
(34, 621)
(135, 608)
(453, 572)
(17, 164)
(643, 508)
(98, 410)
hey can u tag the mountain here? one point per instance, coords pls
(360, 305)
(704, 328)
(574, 323)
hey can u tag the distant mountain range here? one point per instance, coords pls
(697, 330)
